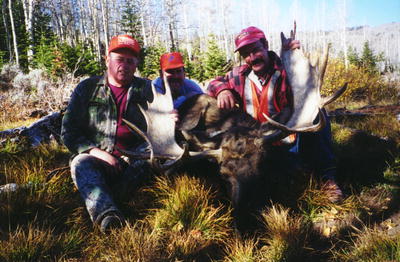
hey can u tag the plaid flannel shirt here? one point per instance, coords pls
(91, 116)
(236, 78)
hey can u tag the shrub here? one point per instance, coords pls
(362, 85)
(8, 72)
(363, 76)
(59, 59)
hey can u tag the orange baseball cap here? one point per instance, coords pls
(171, 61)
(124, 41)
(247, 36)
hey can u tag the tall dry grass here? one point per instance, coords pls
(189, 218)
(370, 245)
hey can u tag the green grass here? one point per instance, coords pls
(286, 235)
(33, 243)
(241, 250)
(371, 245)
(5, 125)
(187, 216)
(180, 218)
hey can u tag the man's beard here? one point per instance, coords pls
(175, 86)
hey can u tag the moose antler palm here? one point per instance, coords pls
(305, 76)
(160, 134)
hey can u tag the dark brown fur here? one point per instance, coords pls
(243, 151)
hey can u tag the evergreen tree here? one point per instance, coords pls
(130, 21)
(150, 64)
(369, 60)
(41, 28)
(60, 58)
(214, 61)
(353, 56)
(188, 63)
(197, 69)
(19, 22)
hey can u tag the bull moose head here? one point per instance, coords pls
(233, 137)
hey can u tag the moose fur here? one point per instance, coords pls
(244, 157)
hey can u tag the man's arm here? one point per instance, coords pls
(222, 90)
(74, 123)
(75, 120)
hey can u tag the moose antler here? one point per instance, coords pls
(305, 77)
(160, 134)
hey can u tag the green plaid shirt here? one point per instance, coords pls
(91, 116)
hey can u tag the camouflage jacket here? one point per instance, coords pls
(91, 116)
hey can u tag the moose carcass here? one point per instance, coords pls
(234, 138)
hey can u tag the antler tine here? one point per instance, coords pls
(327, 100)
(293, 32)
(134, 128)
(322, 65)
(311, 128)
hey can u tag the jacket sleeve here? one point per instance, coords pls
(219, 84)
(233, 81)
(75, 122)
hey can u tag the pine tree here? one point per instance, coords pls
(197, 68)
(369, 60)
(352, 55)
(130, 21)
(150, 65)
(214, 59)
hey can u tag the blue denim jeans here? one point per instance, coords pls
(96, 181)
(313, 151)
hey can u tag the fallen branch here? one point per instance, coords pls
(42, 131)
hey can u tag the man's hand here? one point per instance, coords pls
(105, 156)
(225, 99)
(290, 44)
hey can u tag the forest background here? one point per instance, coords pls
(72, 36)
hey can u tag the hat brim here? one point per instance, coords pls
(173, 66)
(246, 42)
(124, 47)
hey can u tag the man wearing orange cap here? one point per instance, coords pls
(260, 87)
(173, 69)
(92, 129)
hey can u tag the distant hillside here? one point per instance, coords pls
(384, 38)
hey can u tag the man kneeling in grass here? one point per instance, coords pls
(93, 131)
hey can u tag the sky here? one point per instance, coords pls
(373, 12)
(308, 12)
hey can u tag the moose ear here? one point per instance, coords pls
(190, 113)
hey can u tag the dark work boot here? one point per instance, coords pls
(111, 221)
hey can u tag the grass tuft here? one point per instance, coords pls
(328, 218)
(187, 217)
(135, 242)
(241, 250)
(392, 172)
(32, 243)
(371, 245)
(286, 235)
